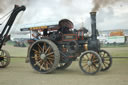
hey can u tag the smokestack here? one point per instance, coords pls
(93, 25)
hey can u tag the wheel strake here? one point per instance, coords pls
(90, 62)
(106, 60)
(44, 56)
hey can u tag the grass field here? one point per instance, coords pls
(118, 52)
(16, 51)
(21, 73)
(22, 51)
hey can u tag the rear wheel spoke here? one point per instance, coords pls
(47, 49)
(47, 56)
(49, 53)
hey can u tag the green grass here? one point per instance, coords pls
(22, 51)
(16, 51)
(114, 46)
(118, 51)
(10, 43)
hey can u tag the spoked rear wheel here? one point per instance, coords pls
(44, 56)
(90, 62)
(4, 58)
(106, 60)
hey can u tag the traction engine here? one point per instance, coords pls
(58, 48)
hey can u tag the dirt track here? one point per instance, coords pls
(20, 73)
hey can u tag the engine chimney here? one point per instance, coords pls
(93, 43)
(93, 25)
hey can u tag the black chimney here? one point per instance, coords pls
(93, 25)
(93, 43)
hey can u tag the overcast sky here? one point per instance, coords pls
(39, 12)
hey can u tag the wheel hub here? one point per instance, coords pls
(43, 56)
(89, 63)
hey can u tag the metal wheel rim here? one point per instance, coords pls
(49, 62)
(90, 64)
(6, 59)
(106, 60)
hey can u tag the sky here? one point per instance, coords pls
(43, 12)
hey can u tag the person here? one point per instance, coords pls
(65, 26)
(35, 34)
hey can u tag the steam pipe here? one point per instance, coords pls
(93, 25)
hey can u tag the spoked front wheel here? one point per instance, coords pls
(4, 58)
(44, 56)
(106, 60)
(90, 62)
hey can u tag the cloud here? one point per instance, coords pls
(98, 4)
(112, 19)
(51, 11)
(55, 10)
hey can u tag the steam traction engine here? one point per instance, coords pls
(4, 37)
(58, 48)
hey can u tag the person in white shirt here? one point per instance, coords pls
(35, 34)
